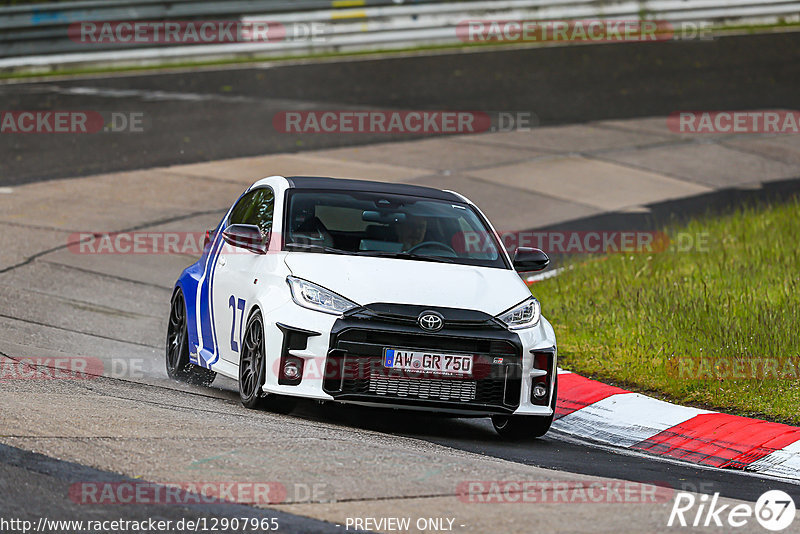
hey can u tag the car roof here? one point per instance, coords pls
(321, 182)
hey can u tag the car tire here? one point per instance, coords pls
(177, 351)
(515, 427)
(252, 371)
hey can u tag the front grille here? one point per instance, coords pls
(423, 388)
(372, 342)
(407, 315)
(355, 370)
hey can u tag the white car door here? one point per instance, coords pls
(235, 272)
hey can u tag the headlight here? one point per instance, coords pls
(522, 315)
(318, 298)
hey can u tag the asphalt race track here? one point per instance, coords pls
(138, 425)
(49, 480)
(559, 85)
(554, 451)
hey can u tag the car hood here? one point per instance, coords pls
(367, 280)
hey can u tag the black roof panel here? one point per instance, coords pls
(320, 182)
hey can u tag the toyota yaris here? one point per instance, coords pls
(370, 293)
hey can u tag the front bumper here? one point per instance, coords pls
(341, 360)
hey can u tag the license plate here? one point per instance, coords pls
(428, 362)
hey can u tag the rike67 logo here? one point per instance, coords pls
(774, 510)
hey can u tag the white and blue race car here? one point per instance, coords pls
(365, 292)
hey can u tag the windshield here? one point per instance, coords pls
(397, 226)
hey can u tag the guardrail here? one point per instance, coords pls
(42, 28)
(38, 35)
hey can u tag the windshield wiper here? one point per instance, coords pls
(405, 256)
(379, 253)
(312, 247)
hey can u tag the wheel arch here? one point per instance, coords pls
(187, 284)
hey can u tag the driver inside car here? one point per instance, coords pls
(412, 232)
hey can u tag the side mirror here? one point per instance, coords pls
(530, 259)
(246, 236)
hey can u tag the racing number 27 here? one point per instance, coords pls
(234, 305)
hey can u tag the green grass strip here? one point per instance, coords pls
(717, 327)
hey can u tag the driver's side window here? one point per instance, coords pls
(256, 207)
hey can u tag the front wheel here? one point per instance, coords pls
(178, 365)
(522, 426)
(526, 426)
(252, 371)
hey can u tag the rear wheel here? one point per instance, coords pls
(177, 357)
(526, 426)
(252, 371)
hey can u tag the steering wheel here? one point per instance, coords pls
(434, 244)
